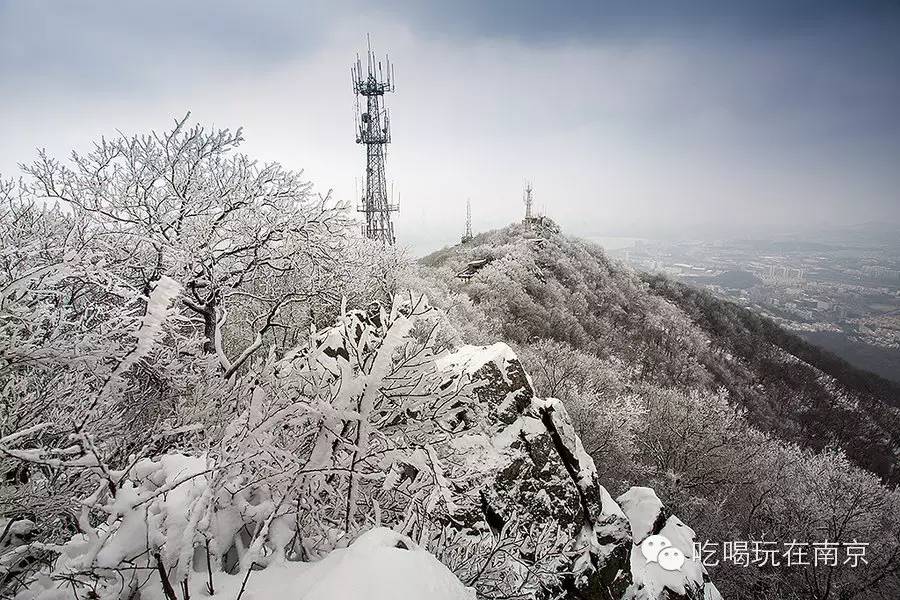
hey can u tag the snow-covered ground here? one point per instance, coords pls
(380, 565)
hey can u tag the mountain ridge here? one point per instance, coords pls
(678, 336)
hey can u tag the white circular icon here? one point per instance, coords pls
(658, 549)
(670, 559)
(653, 545)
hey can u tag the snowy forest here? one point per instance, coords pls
(214, 387)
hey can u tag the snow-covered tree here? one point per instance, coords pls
(244, 240)
(135, 284)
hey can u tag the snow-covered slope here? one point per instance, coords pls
(382, 565)
(374, 424)
(540, 284)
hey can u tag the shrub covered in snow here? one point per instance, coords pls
(376, 421)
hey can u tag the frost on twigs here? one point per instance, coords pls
(339, 435)
(372, 422)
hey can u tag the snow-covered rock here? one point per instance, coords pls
(531, 461)
(648, 517)
(383, 565)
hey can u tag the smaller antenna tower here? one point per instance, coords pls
(468, 234)
(529, 218)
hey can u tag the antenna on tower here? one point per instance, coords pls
(373, 129)
(468, 234)
(529, 201)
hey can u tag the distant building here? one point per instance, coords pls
(880, 273)
(472, 267)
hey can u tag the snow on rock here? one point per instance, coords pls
(526, 459)
(470, 359)
(648, 516)
(643, 509)
(380, 565)
(504, 387)
(383, 565)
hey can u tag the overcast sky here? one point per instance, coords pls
(630, 118)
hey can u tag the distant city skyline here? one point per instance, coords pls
(641, 119)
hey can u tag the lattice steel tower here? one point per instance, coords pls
(468, 234)
(529, 217)
(374, 130)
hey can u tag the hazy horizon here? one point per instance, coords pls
(630, 121)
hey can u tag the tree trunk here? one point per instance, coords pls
(209, 327)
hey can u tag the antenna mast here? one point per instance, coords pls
(371, 81)
(468, 234)
(528, 204)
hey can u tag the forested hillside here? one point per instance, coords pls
(740, 426)
(811, 390)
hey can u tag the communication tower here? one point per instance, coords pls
(372, 81)
(529, 201)
(468, 234)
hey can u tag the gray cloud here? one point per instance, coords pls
(109, 44)
(629, 119)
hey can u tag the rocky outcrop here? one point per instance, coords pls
(507, 462)
(530, 461)
(648, 517)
